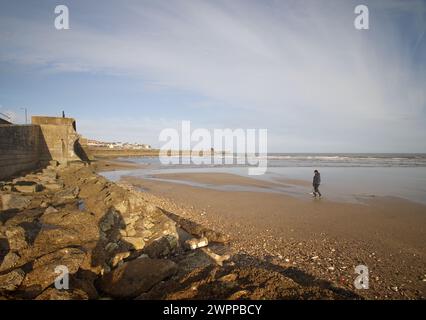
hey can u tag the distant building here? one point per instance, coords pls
(118, 145)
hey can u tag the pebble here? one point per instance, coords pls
(314, 257)
(394, 289)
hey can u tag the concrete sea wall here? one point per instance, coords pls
(21, 148)
(27, 147)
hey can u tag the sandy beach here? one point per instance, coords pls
(326, 238)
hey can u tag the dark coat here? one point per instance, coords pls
(317, 179)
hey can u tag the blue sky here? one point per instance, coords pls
(126, 70)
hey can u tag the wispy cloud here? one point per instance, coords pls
(300, 61)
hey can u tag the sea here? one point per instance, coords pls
(349, 177)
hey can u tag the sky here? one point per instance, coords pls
(300, 69)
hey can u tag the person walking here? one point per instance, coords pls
(316, 183)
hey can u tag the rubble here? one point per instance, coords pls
(135, 277)
(197, 243)
(14, 201)
(216, 257)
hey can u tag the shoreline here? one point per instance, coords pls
(323, 237)
(118, 243)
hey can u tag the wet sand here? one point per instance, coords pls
(108, 164)
(323, 237)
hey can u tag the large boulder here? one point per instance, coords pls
(66, 228)
(11, 281)
(16, 238)
(9, 261)
(108, 220)
(159, 233)
(43, 273)
(133, 243)
(67, 193)
(84, 280)
(14, 201)
(28, 187)
(135, 277)
(25, 218)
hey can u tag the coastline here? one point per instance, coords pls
(323, 237)
(119, 243)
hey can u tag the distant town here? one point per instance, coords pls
(118, 145)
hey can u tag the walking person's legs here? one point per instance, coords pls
(316, 190)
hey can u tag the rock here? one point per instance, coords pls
(197, 243)
(135, 201)
(239, 294)
(65, 229)
(9, 261)
(52, 186)
(395, 289)
(146, 234)
(108, 220)
(160, 247)
(68, 193)
(28, 187)
(6, 188)
(25, 218)
(51, 173)
(16, 237)
(150, 208)
(44, 204)
(50, 209)
(136, 242)
(43, 273)
(130, 220)
(53, 163)
(198, 230)
(136, 277)
(14, 201)
(11, 281)
(55, 294)
(229, 278)
(111, 246)
(147, 224)
(84, 280)
(216, 257)
(130, 231)
(115, 261)
(121, 207)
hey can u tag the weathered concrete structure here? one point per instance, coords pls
(60, 137)
(26, 147)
